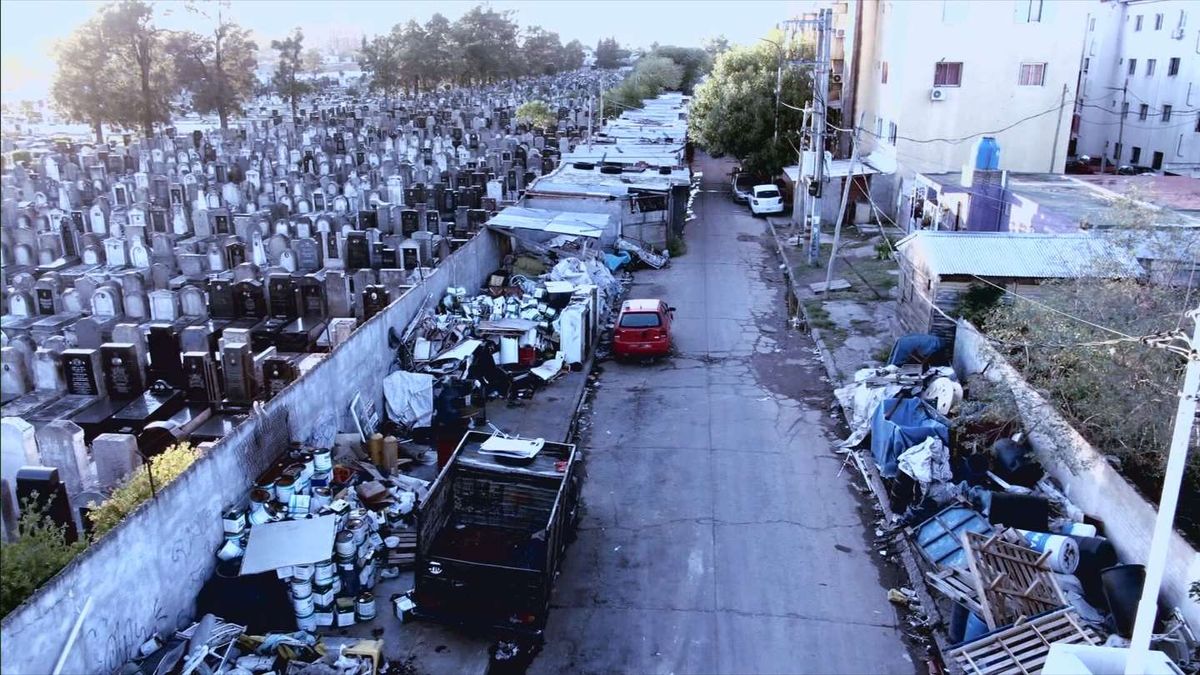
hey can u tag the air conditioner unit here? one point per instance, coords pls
(1177, 34)
(835, 78)
(938, 94)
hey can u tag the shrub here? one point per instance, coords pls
(38, 553)
(136, 489)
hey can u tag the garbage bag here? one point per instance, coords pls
(409, 398)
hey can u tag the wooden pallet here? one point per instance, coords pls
(1021, 649)
(1013, 581)
(958, 585)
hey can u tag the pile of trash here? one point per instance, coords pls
(213, 645)
(1009, 554)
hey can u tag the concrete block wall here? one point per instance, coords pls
(1087, 479)
(144, 575)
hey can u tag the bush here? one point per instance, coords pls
(538, 114)
(38, 553)
(136, 489)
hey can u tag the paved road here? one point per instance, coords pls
(718, 534)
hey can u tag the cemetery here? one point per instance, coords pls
(322, 305)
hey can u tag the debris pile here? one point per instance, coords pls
(1017, 564)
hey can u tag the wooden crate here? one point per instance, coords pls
(1013, 581)
(958, 585)
(1021, 649)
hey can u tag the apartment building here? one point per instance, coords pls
(1139, 93)
(927, 78)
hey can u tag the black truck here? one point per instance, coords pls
(491, 535)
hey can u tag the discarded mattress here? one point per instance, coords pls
(899, 424)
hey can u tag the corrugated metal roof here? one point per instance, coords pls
(546, 220)
(1021, 255)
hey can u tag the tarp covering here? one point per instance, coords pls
(900, 424)
(918, 348)
(409, 398)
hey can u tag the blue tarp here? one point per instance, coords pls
(899, 424)
(919, 348)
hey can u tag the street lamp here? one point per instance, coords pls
(778, 82)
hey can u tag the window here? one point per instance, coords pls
(1156, 163)
(1086, 62)
(1028, 11)
(640, 320)
(1125, 109)
(1166, 115)
(1117, 152)
(1143, 111)
(1135, 155)
(883, 75)
(947, 74)
(1173, 67)
(879, 127)
(1137, 22)
(892, 131)
(1032, 75)
(1132, 66)
(1150, 63)
(1158, 18)
(1091, 24)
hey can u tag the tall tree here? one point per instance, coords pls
(610, 54)
(82, 88)
(312, 62)
(733, 111)
(695, 63)
(380, 60)
(217, 70)
(136, 43)
(286, 78)
(572, 55)
(488, 40)
(718, 44)
(542, 51)
(440, 53)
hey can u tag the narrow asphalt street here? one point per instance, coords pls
(720, 534)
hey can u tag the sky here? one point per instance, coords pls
(29, 28)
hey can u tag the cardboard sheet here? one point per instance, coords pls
(289, 542)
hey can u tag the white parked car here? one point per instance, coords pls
(765, 199)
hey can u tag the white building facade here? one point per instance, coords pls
(931, 76)
(1139, 94)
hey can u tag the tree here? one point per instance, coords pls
(650, 77)
(537, 113)
(572, 55)
(382, 63)
(542, 51)
(218, 71)
(286, 77)
(609, 54)
(312, 62)
(733, 111)
(695, 64)
(487, 40)
(716, 45)
(83, 86)
(136, 45)
(439, 52)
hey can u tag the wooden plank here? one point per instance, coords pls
(1013, 580)
(1021, 649)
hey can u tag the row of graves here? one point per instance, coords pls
(155, 289)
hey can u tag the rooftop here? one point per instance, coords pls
(546, 220)
(650, 154)
(566, 179)
(1019, 255)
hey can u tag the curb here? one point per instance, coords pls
(870, 475)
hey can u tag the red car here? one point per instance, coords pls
(643, 328)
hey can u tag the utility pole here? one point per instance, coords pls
(821, 96)
(1120, 128)
(1057, 129)
(837, 224)
(591, 115)
(1185, 416)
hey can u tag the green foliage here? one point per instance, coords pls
(39, 551)
(883, 250)
(217, 70)
(695, 64)
(716, 45)
(291, 64)
(610, 54)
(978, 302)
(136, 489)
(538, 114)
(82, 88)
(650, 77)
(734, 111)
(677, 246)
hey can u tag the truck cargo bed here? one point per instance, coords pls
(490, 545)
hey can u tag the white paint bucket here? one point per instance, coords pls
(323, 594)
(285, 487)
(303, 604)
(320, 498)
(234, 522)
(343, 544)
(322, 460)
(508, 350)
(358, 529)
(1064, 552)
(306, 622)
(302, 587)
(323, 572)
(345, 612)
(365, 607)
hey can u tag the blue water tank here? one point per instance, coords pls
(987, 154)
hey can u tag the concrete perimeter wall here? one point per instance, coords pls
(144, 575)
(1087, 479)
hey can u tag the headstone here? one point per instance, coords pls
(200, 378)
(164, 347)
(18, 448)
(42, 485)
(277, 374)
(238, 368)
(14, 374)
(47, 371)
(82, 372)
(122, 374)
(116, 456)
(61, 445)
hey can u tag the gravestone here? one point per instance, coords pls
(18, 448)
(123, 377)
(278, 373)
(15, 378)
(47, 371)
(116, 456)
(201, 384)
(61, 445)
(238, 368)
(164, 347)
(82, 372)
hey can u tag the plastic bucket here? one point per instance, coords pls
(1123, 590)
(364, 607)
(323, 572)
(322, 459)
(1064, 552)
(306, 622)
(303, 604)
(1095, 554)
(343, 544)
